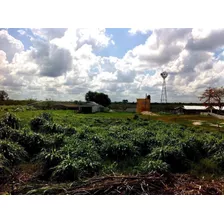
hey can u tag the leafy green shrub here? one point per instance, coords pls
(47, 116)
(218, 158)
(135, 117)
(173, 156)
(192, 148)
(153, 165)
(116, 150)
(12, 152)
(36, 123)
(32, 142)
(205, 166)
(4, 168)
(76, 159)
(11, 120)
(44, 124)
(144, 140)
(5, 131)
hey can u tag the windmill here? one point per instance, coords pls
(164, 94)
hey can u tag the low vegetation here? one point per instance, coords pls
(72, 147)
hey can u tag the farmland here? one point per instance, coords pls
(45, 151)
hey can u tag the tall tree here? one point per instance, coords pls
(3, 95)
(90, 96)
(99, 98)
(213, 97)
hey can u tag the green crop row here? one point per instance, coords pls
(98, 145)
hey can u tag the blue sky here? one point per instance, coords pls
(123, 42)
(24, 38)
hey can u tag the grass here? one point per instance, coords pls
(188, 120)
(65, 117)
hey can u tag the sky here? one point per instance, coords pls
(125, 63)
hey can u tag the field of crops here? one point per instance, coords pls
(61, 147)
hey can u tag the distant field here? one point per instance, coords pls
(70, 117)
(203, 122)
(67, 116)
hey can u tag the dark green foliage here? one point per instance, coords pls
(76, 159)
(3, 95)
(206, 166)
(148, 165)
(36, 123)
(31, 142)
(12, 152)
(172, 155)
(118, 150)
(10, 120)
(99, 98)
(44, 124)
(135, 117)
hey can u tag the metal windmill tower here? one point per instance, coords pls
(164, 94)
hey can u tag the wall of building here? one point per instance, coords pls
(95, 108)
(143, 105)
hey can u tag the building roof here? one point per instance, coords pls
(91, 104)
(200, 107)
(195, 107)
(217, 108)
(66, 105)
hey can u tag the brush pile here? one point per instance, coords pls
(150, 184)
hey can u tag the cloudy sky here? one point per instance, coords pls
(63, 64)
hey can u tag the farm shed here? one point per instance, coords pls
(90, 107)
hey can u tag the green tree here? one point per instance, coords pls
(99, 98)
(3, 95)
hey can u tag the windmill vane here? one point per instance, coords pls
(164, 74)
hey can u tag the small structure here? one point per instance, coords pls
(191, 109)
(91, 107)
(143, 104)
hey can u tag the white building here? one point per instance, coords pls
(90, 107)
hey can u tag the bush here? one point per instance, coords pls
(173, 156)
(192, 148)
(75, 160)
(218, 158)
(153, 165)
(44, 124)
(47, 116)
(31, 142)
(36, 123)
(12, 152)
(11, 121)
(116, 150)
(205, 166)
